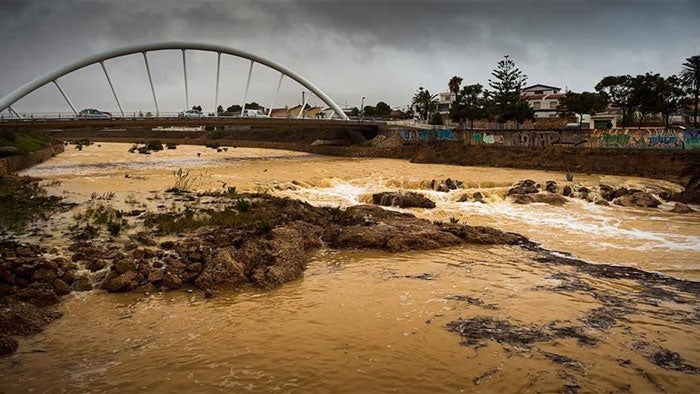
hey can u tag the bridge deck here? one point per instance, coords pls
(272, 123)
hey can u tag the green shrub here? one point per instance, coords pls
(242, 205)
(114, 228)
(154, 145)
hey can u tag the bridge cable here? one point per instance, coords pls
(247, 85)
(184, 69)
(109, 80)
(17, 114)
(150, 79)
(65, 97)
(277, 92)
(216, 96)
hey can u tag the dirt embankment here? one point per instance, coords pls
(672, 165)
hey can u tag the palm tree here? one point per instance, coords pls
(454, 84)
(425, 102)
(690, 75)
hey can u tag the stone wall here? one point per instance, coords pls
(12, 164)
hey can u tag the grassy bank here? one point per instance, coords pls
(17, 143)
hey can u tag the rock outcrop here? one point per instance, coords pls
(527, 186)
(638, 199)
(681, 208)
(402, 200)
(445, 185)
(547, 198)
(691, 194)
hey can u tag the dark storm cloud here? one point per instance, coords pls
(381, 50)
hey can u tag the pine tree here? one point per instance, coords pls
(508, 84)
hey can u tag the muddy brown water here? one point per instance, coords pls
(378, 322)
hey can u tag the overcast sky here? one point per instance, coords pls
(382, 50)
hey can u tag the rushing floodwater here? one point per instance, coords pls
(365, 321)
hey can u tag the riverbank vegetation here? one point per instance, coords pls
(24, 202)
(18, 143)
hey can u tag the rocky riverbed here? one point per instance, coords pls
(250, 286)
(254, 239)
(221, 241)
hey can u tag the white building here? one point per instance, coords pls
(543, 99)
(445, 102)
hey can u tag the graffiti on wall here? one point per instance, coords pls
(488, 138)
(664, 140)
(546, 138)
(646, 139)
(691, 139)
(598, 138)
(608, 140)
(427, 135)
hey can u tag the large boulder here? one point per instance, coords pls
(39, 294)
(638, 199)
(115, 282)
(445, 185)
(403, 200)
(606, 192)
(681, 208)
(691, 194)
(526, 186)
(222, 270)
(82, 283)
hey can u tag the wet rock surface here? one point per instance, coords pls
(445, 185)
(269, 244)
(528, 191)
(691, 194)
(402, 200)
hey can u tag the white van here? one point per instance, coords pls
(254, 113)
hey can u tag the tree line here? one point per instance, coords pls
(638, 96)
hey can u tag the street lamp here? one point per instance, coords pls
(362, 107)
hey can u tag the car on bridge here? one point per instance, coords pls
(254, 113)
(91, 113)
(192, 113)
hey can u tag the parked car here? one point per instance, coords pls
(91, 113)
(192, 113)
(254, 113)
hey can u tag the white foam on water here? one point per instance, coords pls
(598, 226)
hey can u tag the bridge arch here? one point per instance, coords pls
(17, 94)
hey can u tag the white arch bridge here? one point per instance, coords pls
(9, 100)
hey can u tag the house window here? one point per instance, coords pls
(539, 91)
(536, 105)
(553, 104)
(556, 91)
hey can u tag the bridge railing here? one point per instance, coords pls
(141, 115)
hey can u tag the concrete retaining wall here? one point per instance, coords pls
(12, 164)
